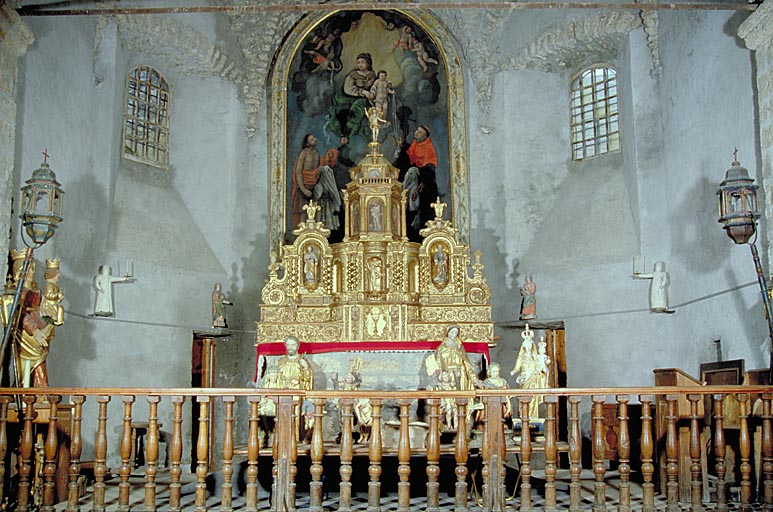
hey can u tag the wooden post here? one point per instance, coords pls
(599, 467)
(523, 407)
(317, 453)
(433, 455)
(461, 454)
(575, 454)
(52, 443)
(404, 459)
(767, 451)
(744, 449)
(719, 453)
(176, 452)
(226, 501)
(624, 454)
(25, 453)
(347, 442)
(253, 451)
(672, 452)
(375, 453)
(202, 454)
(551, 452)
(285, 436)
(696, 489)
(100, 455)
(125, 470)
(76, 448)
(151, 453)
(4, 401)
(647, 447)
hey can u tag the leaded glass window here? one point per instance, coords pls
(146, 119)
(595, 125)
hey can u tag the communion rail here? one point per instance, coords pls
(493, 449)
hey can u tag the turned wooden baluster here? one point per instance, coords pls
(151, 453)
(4, 401)
(433, 455)
(226, 501)
(523, 407)
(125, 470)
(599, 467)
(575, 454)
(176, 452)
(551, 452)
(51, 446)
(647, 446)
(100, 455)
(285, 453)
(696, 491)
(253, 450)
(672, 452)
(317, 453)
(624, 454)
(375, 452)
(744, 448)
(25, 464)
(202, 454)
(76, 447)
(404, 459)
(347, 441)
(461, 454)
(485, 470)
(767, 451)
(719, 453)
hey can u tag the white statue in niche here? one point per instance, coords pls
(103, 282)
(658, 287)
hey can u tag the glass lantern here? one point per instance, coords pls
(738, 211)
(41, 205)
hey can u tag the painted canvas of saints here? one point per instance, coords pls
(348, 63)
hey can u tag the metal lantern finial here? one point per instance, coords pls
(41, 204)
(738, 210)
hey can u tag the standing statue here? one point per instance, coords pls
(494, 380)
(35, 331)
(294, 371)
(658, 287)
(451, 357)
(219, 302)
(103, 282)
(529, 299)
(529, 370)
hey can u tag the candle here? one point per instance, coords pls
(638, 264)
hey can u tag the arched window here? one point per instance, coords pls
(595, 123)
(146, 119)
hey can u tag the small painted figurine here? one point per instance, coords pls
(219, 302)
(529, 299)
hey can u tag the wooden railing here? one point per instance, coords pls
(562, 406)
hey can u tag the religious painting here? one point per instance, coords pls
(349, 65)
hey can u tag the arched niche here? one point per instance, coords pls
(282, 156)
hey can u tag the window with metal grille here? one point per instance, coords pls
(595, 125)
(146, 119)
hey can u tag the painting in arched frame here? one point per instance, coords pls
(309, 97)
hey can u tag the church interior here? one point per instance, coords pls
(237, 186)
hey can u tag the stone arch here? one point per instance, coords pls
(277, 120)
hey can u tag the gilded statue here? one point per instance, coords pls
(294, 371)
(532, 369)
(39, 314)
(451, 357)
(494, 380)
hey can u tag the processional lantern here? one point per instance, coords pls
(738, 211)
(41, 204)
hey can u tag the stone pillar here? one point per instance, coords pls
(757, 33)
(15, 37)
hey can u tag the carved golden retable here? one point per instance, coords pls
(375, 284)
